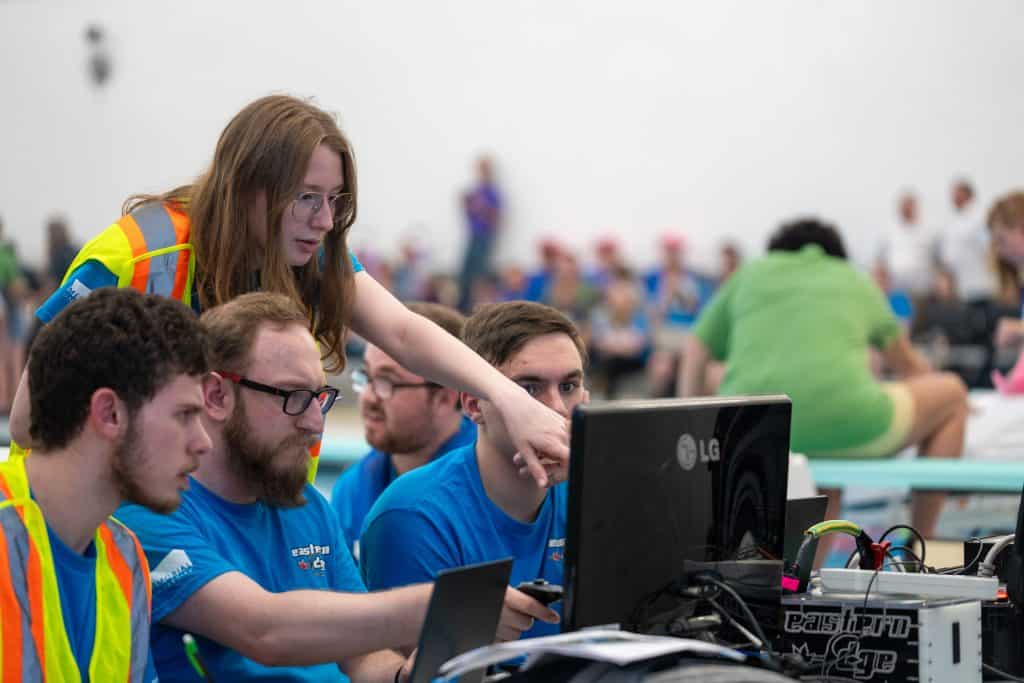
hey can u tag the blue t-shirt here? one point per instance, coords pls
(693, 287)
(536, 285)
(76, 581)
(901, 304)
(358, 488)
(93, 274)
(482, 198)
(439, 517)
(281, 549)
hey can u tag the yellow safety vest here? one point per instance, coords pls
(149, 251)
(33, 642)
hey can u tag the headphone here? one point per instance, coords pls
(872, 554)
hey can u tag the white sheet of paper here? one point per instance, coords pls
(606, 645)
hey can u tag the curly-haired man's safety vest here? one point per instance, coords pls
(33, 641)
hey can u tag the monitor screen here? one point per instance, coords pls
(661, 488)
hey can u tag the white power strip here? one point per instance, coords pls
(900, 583)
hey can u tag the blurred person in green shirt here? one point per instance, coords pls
(801, 321)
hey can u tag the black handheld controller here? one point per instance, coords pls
(541, 591)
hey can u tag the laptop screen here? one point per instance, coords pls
(463, 614)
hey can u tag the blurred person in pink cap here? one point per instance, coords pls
(609, 260)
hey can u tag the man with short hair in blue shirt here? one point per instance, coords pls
(474, 505)
(407, 421)
(252, 563)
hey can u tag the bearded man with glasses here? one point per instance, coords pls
(407, 421)
(253, 562)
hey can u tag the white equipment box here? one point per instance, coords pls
(890, 640)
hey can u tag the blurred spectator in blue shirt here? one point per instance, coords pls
(675, 293)
(899, 301)
(410, 280)
(482, 205)
(537, 281)
(675, 296)
(621, 336)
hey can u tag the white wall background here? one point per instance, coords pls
(718, 118)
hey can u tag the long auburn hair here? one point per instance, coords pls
(266, 149)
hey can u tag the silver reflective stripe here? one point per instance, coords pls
(17, 548)
(140, 607)
(157, 229)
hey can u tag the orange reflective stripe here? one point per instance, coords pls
(181, 227)
(117, 563)
(5, 489)
(34, 577)
(10, 620)
(138, 244)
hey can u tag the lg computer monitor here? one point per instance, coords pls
(661, 488)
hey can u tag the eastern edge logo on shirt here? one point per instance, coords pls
(79, 289)
(174, 566)
(556, 546)
(311, 557)
(64, 298)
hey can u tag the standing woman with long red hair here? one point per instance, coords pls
(272, 213)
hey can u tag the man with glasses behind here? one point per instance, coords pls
(407, 421)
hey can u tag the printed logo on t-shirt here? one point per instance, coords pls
(79, 289)
(556, 546)
(311, 557)
(175, 565)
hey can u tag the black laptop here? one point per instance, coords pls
(463, 614)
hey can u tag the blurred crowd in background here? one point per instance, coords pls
(943, 280)
(23, 287)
